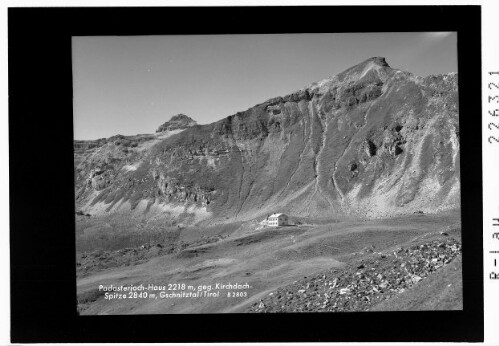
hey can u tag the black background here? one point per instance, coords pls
(43, 279)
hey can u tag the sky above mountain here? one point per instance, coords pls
(131, 85)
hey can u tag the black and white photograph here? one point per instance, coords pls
(251, 173)
(267, 173)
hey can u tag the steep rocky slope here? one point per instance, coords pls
(371, 141)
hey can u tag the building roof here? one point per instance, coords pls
(276, 215)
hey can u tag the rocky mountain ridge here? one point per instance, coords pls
(177, 122)
(371, 141)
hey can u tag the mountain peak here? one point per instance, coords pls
(378, 60)
(181, 117)
(359, 70)
(373, 68)
(371, 141)
(178, 121)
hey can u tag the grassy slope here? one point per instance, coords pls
(266, 259)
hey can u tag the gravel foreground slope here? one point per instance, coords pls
(371, 283)
(441, 290)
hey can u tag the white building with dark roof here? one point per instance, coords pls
(278, 219)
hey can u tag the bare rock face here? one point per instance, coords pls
(179, 121)
(371, 141)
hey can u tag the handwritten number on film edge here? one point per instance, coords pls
(493, 112)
